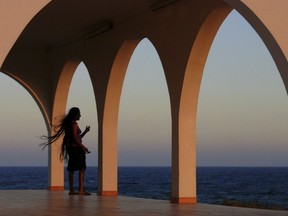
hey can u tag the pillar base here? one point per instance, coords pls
(107, 193)
(183, 200)
(56, 188)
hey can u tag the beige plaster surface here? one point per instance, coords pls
(42, 46)
(15, 15)
(47, 203)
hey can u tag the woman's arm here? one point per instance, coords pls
(76, 137)
(87, 129)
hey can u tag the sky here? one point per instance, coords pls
(241, 119)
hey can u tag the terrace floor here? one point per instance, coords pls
(46, 203)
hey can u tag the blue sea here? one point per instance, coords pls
(248, 187)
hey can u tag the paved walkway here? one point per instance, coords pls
(47, 203)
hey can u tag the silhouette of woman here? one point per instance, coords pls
(72, 148)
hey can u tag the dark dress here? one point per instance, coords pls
(77, 157)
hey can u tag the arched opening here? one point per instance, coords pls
(241, 118)
(144, 127)
(81, 95)
(22, 125)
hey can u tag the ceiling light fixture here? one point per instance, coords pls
(161, 4)
(98, 29)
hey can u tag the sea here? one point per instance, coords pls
(255, 187)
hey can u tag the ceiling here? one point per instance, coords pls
(65, 21)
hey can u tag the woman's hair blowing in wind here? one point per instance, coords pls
(64, 128)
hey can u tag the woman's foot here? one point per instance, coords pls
(84, 193)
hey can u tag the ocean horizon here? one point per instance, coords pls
(256, 187)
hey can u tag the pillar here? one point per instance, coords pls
(184, 111)
(107, 161)
(183, 161)
(56, 166)
(108, 110)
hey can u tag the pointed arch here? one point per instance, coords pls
(22, 107)
(145, 110)
(56, 167)
(196, 62)
(191, 86)
(62, 90)
(108, 122)
(34, 96)
(269, 30)
(81, 94)
(56, 172)
(184, 149)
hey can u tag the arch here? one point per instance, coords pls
(62, 90)
(23, 110)
(266, 32)
(108, 122)
(145, 110)
(12, 31)
(56, 167)
(197, 59)
(242, 85)
(191, 86)
(34, 96)
(56, 172)
(184, 150)
(81, 95)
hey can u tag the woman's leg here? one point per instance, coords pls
(81, 183)
(81, 180)
(71, 183)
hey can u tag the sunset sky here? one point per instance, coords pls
(241, 121)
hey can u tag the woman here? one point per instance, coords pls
(73, 148)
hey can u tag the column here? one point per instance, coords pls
(56, 167)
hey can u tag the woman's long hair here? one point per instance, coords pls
(64, 128)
